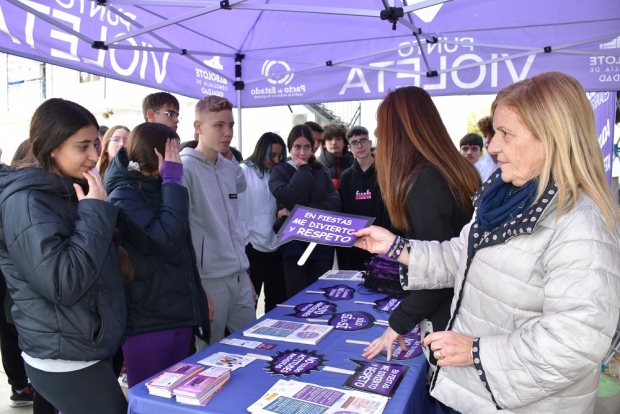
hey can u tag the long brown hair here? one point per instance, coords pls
(104, 160)
(410, 134)
(143, 139)
(53, 122)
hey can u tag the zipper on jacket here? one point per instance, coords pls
(230, 227)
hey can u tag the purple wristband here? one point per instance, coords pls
(171, 172)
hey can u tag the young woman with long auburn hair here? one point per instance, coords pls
(427, 188)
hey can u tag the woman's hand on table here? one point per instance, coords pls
(450, 348)
(375, 239)
(384, 341)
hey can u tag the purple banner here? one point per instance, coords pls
(377, 377)
(288, 57)
(320, 226)
(388, 304)
(604, 106)
(352, 321)
(314, 309)
(339, 292)
(295, 362)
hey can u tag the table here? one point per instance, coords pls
(248, 384)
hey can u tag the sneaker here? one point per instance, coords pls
(21, 399)
(122, 379)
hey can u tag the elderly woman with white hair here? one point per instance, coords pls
(536, 273)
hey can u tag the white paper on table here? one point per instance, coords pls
(286, 397)
(226, 360)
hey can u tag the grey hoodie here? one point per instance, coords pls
(213, 214)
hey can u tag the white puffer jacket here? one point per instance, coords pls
(544, 303)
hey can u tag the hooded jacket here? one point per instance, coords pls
(360, 194)
(153, 219)
(257, 209)
(336, 165)
(214, 214)
(61, 267)
(543, 297)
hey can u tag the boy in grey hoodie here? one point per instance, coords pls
(213, 182)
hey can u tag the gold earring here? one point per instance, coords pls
(196, 136)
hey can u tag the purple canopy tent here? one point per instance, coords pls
(281, 52)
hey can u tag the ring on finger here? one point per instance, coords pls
(438, 355)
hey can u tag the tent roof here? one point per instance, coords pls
(296, 52)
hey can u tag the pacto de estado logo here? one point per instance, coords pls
(272, 67)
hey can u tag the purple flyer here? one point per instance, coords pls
(414, 348)
(320, 226)
(352, 321)
(314, 309)
(339, 292)
(388, 304)
(295, 362)
(377, 377)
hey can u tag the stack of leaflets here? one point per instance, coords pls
(294, 396)
(163, 384)
(199, 389)
(353, 275)
(303, 333)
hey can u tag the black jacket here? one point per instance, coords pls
(61, 267)
(433, 215)
(336, 165)
(308, 187)
(360, 194)
(154, 222)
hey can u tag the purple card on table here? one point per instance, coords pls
(377, 377)
(320, 226)
(314, 309)
(351, 321)
(295, 362)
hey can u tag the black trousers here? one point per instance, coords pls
(267, 268)
(11, 354)
(300, 277)
(93, 390)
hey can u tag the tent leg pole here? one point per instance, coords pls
(239, 141)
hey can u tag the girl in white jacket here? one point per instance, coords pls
(258, 213)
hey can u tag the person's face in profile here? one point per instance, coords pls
(216, 129)
(273, 157)
(520, 154)
(318, 139)
(78, 153)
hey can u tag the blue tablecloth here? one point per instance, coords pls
(248, 384)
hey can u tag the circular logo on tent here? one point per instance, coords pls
(277, 66)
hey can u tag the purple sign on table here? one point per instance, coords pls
(388, 304)
(320, 226)
(351, 321)
(414, 348)
(604, 107)
(314, 309)
(339, 292)
(376, 377)
(295, 362)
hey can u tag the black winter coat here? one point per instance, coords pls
(309, 187)
(336, 165)
(154, 222)
(61, 267)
